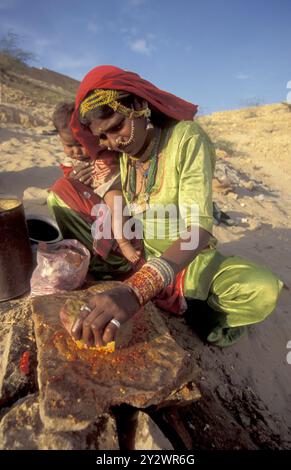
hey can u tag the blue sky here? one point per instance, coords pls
(220, 54)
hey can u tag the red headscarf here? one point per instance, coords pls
(109, 77)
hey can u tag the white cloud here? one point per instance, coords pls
(111, 25)
(129, 33)
(73, 66)
(151, 36)
(136, 3)
(242, 76)
(67, 62)
(41, 45)
(141, 46)
(93, 27)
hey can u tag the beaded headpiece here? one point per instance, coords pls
(110, 98)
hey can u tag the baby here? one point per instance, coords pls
(102, 176)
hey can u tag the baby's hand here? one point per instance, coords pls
(103, 172)
(101, 165)
(83, 172)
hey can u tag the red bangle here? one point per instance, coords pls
(146, 283)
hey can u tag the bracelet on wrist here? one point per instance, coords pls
(151, 279)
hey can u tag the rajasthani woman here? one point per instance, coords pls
(166, 159)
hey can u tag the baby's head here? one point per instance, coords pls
(61, 120)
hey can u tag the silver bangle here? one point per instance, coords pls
(164, 269)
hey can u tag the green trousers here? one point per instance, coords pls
(242, 290)
(245, 291)
(72, 225)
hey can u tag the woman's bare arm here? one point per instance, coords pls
(180, 254)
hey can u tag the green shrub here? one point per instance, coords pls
(10, 52)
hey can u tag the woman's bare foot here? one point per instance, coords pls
(129, 252)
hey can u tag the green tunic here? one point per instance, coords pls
(184, 177)
(243, 290)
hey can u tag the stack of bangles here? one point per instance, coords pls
(151, 279)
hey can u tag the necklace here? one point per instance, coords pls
(149, 174)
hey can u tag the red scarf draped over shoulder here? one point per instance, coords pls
(109, 77)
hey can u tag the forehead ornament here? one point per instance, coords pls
(111, 98)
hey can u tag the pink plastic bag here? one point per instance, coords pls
(61, 267)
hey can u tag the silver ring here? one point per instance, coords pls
(85, 307)
(115, 322)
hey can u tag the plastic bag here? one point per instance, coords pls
(61, 267)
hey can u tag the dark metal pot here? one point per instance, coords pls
(16, 262)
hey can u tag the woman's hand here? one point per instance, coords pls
(82, 171)
(94, 327)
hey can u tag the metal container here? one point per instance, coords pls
(42, 229)
(16, 262)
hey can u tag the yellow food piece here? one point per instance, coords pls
(7, 204)
(109, 348)
(73, 307)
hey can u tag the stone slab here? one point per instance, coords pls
(22, 429)
(76, 386)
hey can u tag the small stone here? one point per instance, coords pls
(7, 145)
(245, 420)
(242, 204)
(221, 186)
(148, 435)
(250, 185)
(22, 429)
(232, 195)
(255, 224)
(244, 220)
(221, 153)
(260, 197)
(223, 392)
(17, 352)
(14, 142)
(33, 192)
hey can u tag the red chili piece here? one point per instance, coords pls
(24, 363)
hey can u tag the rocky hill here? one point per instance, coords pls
(28, 94)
